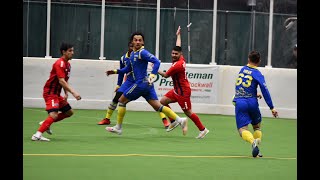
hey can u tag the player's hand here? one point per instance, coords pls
(178, 31)
(76, 95)
(274, 113)
(259, 96)
(65, 97)
(117, 87)
(111, 72)
(151, 78)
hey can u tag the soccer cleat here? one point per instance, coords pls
(255, 148)
(172, 125)
(104, 121)
(260, 155)
(184, 125)
(114, 130)
(41, 138)
(165, 123)
(49, 131)
(203, 133)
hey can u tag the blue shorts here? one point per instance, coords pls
(125, 86)
(141, 89)
(247, 111)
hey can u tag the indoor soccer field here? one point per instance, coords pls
(82, 150)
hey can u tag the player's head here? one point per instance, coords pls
(176, 53)
(130, 47)
(66, 50)
(254, 57)
(137, 40)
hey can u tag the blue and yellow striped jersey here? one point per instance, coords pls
(247, 83)
(139, 63)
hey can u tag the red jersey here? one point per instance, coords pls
(177, 72)
(60, 69)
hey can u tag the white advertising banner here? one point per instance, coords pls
(203, 82)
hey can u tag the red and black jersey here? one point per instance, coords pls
(177, 72)
(60, 69)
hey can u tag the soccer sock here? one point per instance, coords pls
(46, 124)
(162, 115)
(196, 120)
(121, 113)
(164, 119)
(171, 120)
(168, 112)
(61, 116)
(247, 136)
(257, 134)
(110, 110)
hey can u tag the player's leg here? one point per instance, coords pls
(130, 94)
(185, 104)
(52, 107)
(152, 99)
(112, 106)
(166, 101)
(256, 122)
(242, 120)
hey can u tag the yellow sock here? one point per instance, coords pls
(167, 111)
(162, 115)
(247, 136)
(257, 134)
(109, 113)
(121, 113)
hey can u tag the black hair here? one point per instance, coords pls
(177, 48)
(65, 46)
(135, 34)
(254, 56)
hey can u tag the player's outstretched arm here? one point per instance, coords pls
(178, 42)
(163, 74)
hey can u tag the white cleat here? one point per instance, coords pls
(203, 133)
(172, 126)
(114, 130)
(41, 138)
(49, 131)
(184, 125)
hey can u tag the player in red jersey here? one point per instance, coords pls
(56, 105)
(182, 91)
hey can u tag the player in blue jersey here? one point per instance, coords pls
(143, 86)
(120, 88)
(246, 102)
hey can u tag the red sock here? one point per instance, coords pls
(61, 116)
(46, 124)
(197, 121)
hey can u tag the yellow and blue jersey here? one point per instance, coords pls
(247, 82)
(124, 61)
(139, 63)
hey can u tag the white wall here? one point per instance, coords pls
(96, 89)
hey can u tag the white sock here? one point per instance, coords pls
(38, 134)
(118, 126)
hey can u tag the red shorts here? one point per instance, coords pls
(183, 101)
(54, 102)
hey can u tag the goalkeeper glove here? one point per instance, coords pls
(151, 78)
(111, 72)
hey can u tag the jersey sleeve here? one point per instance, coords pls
(263, 86)
(122, 65)
(60, 67)
(146, 55)
(175, 67)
